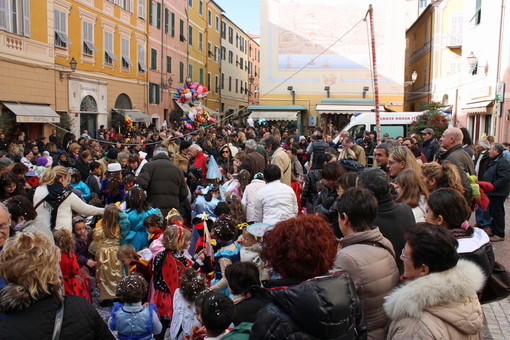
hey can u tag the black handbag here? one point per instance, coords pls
(497, 286)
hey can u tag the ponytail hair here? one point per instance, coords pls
(50, 176)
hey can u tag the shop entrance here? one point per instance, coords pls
(88, 116)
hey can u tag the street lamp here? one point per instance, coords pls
(365, 90)
(293, 94)
(327, 88)
(414, 76)
(471, 58)
(72, 64)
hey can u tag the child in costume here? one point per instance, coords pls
(224, 232)
(82, 241)
(136, 262)
(130, 318)
(68, 263)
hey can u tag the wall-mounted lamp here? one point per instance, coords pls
(471, 59)
(365, 90)
(72, 64)
(414, 76)
(327, 88)
(292, 93)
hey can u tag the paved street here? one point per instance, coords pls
(497, 314)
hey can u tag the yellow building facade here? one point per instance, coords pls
(28, 83)
(108, 41)
(419, 54)
(213, 52)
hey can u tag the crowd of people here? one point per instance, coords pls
(248, 233)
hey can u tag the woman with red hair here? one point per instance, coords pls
(307, 302)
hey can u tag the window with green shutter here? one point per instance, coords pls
(200, 75)
(478, 12)
(172, 24)
(154, 58)
(167, 17)
(168, 64)
(159, 15)
(181, 72)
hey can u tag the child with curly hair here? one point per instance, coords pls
(130, 318)
(184, 318)
(224, 231)
(68, 263)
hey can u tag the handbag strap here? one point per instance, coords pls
(59, 317)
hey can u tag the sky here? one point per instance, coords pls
(245, 13)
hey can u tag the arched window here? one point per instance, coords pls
(88, 104)
(123, 102)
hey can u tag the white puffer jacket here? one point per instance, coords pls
(65, 210)
(274, 203)
(249, 195)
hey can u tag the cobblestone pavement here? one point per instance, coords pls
(497, 314)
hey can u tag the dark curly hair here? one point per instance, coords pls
(224, 229)
(192, 283)
(132, 288)
(300, 248)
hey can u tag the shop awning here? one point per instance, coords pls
(477, 107)
(26, 113)
(135, 115)
(275, 115)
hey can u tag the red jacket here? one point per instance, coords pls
(201, 162)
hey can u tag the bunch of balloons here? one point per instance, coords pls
(197, 115)
(190, 93)
(128, 121)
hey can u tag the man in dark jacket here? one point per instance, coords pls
(392, 218)
(318, 147)
(430, 145)
(482, 160)
(451, 141)
(163, 181)
(254, 162)
(497, 173)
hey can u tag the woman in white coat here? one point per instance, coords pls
(249, 195)
(53, 194)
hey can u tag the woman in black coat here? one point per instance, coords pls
(307, 302)
(325, 204)
(29, 263)
(497, 173)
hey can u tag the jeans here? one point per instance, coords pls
(483, 218)
(497, 212)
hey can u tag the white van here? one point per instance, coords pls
(394, 123)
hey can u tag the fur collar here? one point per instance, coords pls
(411, 299)
(15, 298)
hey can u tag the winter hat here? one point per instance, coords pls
(112, 153)
(113, 167)
(302, 138)
(42, 161)
(142, 154)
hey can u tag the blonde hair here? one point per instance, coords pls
(74, 147)
(50, 176)
(110, 221)
(174, 237)
(64, 240)
(30, 261)
(446, 175)
(412, 187)
(403, 154)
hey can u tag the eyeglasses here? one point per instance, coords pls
(392, 162)
(404, 257)
(224, 152)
